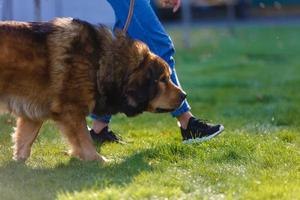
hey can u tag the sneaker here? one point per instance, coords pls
(105, 136)
(199, 131)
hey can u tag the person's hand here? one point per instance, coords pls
(175, 4)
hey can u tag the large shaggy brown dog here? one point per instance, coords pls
(65, 69)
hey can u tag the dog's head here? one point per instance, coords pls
(132, 79)
(149, 86)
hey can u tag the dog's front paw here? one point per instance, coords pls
(19, 159)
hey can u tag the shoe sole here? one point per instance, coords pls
(203, 139)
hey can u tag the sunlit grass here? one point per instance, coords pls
(249, 82)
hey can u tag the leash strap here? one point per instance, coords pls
(129, 16)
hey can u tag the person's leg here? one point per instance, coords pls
(99, 122)
(145, 26)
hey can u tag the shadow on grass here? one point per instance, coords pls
(26, 182)
(47, 182)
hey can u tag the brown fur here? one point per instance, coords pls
(65, 69)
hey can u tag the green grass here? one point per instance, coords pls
(250, 82)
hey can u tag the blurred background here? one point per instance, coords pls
(192, 10)
(226, 13)
(94, 11)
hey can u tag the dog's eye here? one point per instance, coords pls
(164, 80)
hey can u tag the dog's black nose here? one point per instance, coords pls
(182, 96)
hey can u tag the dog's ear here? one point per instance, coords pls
(142, 84)
(137, 88)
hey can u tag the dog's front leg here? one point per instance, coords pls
(74, 128)
(25, 134)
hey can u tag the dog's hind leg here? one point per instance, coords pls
(24, 136)
(75, 130)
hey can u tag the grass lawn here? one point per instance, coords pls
(250, 82)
